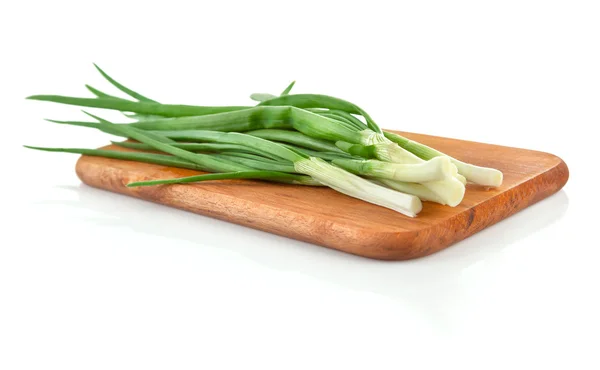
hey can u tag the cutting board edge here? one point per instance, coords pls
(394, 245)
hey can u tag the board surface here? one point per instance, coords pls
(327, 218)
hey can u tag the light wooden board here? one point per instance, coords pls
(325, 217)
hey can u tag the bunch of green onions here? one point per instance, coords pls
(301, 139)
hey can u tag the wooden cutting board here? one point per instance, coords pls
(325, 217)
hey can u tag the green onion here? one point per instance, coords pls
(318, 169)
(323, 155)
(199, 147)
(166, 160)
(349, 118)
(166, 110)
(322, 101)
(261, 96)
(364, 151)
(295, 138)
(319, 127)
(260, 175)
(287, 90)
(236, 121)
(478, 175)
(358, 187)
(133, 94)
(227, 138)
(260, 117)
(434, 170)
(285, 138)
(106, 128)
(450, 190)
(259, 163)
(411, 188)
(124, 89)
(101, 94)
(309, 123)
(341, 121)
(216, 165)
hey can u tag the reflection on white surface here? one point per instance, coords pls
(437, 286)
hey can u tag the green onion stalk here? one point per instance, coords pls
(318, 170)
(316, 129)
(201, 162)
(317, 138)
(270, 116)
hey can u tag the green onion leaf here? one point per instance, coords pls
(218, 176)
(124, 89)
(288, 89)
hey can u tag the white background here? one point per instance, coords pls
(94, 280)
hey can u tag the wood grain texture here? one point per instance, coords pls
(325, 217)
